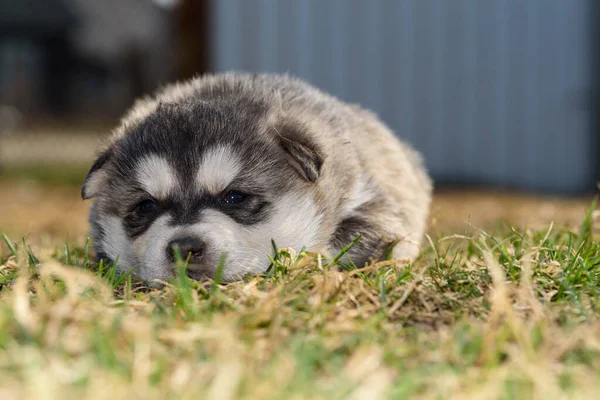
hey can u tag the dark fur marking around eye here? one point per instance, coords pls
(253, 210)
(139, 217)
(136, 224)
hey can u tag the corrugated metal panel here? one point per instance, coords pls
(491, 92)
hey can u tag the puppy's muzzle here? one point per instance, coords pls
(188, 247)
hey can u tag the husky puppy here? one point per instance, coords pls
(224, 163)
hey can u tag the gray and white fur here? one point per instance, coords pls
(224, 163)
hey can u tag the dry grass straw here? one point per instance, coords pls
(455, 324)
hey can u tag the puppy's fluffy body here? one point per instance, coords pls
(311, 171)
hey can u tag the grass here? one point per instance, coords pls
(502, 316)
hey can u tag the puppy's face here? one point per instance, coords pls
(209, 180)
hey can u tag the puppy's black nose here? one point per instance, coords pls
(188, 247)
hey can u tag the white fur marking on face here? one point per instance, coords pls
(219, 166)
(225, 236)
(156, 176)
(151, 249)
(115, 242)
(294, 223)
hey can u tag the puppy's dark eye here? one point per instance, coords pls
(147, 207)
(234, 197)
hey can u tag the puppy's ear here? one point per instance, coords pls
(305, 156)
(96, 176)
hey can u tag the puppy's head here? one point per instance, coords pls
(210, 180)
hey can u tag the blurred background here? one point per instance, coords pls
(498, 95)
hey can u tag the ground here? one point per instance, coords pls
(491, 309)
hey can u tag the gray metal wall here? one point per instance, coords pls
(493, 91)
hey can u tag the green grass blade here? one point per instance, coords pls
(10, 245)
